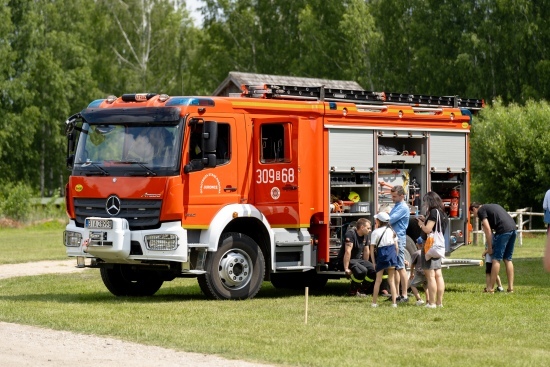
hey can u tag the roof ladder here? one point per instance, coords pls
(322, 93)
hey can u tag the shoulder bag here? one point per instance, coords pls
(434, 248)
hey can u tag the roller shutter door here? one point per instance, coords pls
(447, 152)
(351, 148)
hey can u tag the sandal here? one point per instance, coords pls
(485, 290)
(510, 290)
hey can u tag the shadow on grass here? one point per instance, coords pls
(528, 273)
(167, 294)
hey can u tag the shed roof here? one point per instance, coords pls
(233, 82)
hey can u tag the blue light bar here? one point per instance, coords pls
(190, 101)
(95, 103)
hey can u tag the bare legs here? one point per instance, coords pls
(510, 274)
(391, 280)
(440, 286)
(436, 287)
(402, 274)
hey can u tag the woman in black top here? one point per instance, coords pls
(432, 268)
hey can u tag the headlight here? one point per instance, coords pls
(161, 242)
(72, 239)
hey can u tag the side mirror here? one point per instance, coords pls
(70, 142)
(70, 162)
(210, 137)
(210, 160)
(194, 165)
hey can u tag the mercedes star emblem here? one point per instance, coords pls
(112, 206)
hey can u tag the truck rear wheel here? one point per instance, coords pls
(410, 245)
(235, 271)
(122, 280)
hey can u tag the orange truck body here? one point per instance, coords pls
(263, 211)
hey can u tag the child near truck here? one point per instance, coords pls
(488, 267)
(384, 242)
(417, 277)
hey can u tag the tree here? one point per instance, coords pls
(510, 160)
(361, 41)
(149, 47)
(49, 75)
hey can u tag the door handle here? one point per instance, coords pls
(230, 189)
(290, 187)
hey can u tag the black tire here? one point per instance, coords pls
(299, 280)
(235, 271)
(283, 280)
(408, 260)
(410, 246)
(122, 280)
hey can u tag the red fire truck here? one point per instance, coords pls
(258, 187)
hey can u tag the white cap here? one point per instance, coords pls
(383, 217)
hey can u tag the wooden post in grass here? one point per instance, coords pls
(307, 296)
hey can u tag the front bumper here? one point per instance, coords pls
(114, 244)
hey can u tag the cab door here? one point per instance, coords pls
(276, 170)
(207, 190)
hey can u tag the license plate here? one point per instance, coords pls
(98, 236)
(99, 223)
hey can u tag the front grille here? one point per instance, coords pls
(140, 214)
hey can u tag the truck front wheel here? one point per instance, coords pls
(122, 280)
(235, 271)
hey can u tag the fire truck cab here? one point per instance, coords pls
(262, 186)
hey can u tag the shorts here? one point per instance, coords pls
(432, 264)
(401, 255)
(503, 245)
(418, 280)
(386, 257)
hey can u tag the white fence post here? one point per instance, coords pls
(520, 227)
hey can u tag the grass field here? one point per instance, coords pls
(39, 242)
(474, 329)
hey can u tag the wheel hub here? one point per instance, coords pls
(235, 269)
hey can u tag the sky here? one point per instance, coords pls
(192, 6)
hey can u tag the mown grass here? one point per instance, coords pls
(473, 329)
(42, 241)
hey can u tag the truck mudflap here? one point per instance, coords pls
(111, 240)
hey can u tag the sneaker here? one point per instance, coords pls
(394, 305)
(500, 289)
(430, 306)
(374, 305)
(439, 306)
(419, 302)
(402, 299)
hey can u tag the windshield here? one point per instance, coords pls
(128, 149)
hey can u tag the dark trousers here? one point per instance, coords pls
(362, 270)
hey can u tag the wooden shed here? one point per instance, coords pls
(233, 82)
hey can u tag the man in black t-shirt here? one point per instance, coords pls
(500, 245)
(353, 258)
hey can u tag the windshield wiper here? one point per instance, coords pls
(150, 172)
(100, 170)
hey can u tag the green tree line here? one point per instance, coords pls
(58, 55)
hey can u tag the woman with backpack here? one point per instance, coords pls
(384, 242)
(436, 221)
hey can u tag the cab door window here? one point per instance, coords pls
(275, 145)
(223, 143)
